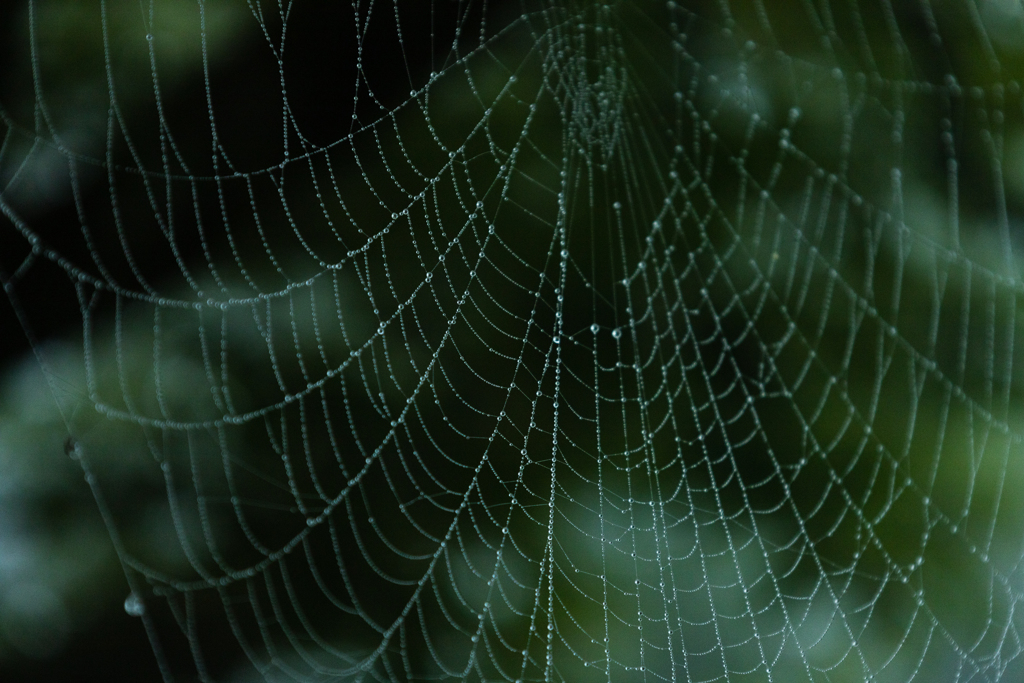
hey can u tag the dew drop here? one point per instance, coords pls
(133, 605)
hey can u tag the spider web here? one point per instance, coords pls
(628, 342)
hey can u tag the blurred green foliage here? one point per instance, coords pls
(626, 294)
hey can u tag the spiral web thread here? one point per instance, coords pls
(634, 342)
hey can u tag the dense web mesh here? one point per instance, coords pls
(571, 341)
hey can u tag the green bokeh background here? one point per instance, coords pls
(868, 307)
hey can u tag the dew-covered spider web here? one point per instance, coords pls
(537, 341)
